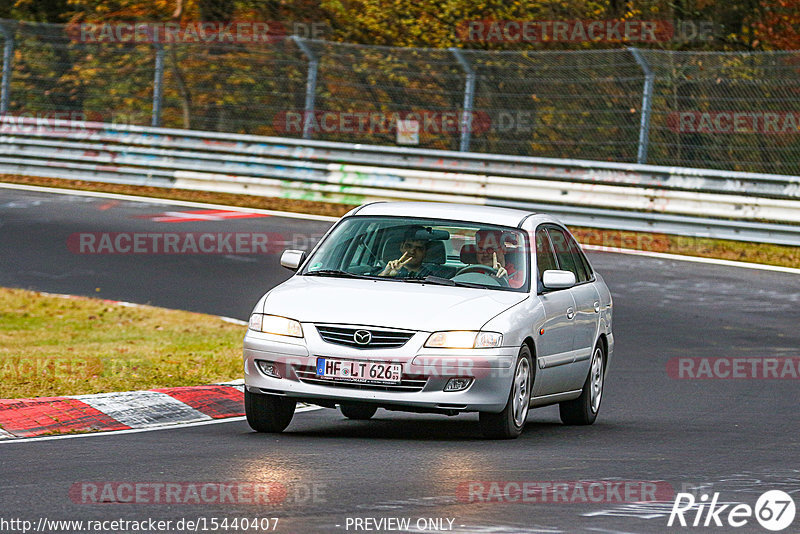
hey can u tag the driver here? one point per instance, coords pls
(411, 264)
(490, 250)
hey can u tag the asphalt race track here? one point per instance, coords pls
(736, 437)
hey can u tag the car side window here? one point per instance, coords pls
(544, 253)
(581, 262)
(567, 261)
(578, 253)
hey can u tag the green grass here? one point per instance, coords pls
(52, 346)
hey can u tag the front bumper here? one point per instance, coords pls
(425, 373)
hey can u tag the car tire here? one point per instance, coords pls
(358, 412)
(584, 409)
(509, 423)
(268, 413)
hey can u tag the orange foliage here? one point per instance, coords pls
(779, 27)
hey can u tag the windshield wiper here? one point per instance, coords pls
(337, 273)
(439, 281)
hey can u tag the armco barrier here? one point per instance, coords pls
(697, 202)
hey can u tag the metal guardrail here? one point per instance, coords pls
(683, 201)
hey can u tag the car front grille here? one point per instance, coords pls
(379, 338)
(308, 375)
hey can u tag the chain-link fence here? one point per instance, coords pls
(738, 111)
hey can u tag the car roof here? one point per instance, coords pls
(441, 210)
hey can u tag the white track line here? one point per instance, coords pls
(164, 201)
(598, 248)
(233, 321)
(139, 430)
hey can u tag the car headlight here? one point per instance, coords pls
(464, 339)
(275, 324)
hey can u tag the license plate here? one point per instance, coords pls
(359, 371)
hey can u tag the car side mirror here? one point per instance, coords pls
(292, 259)
(553, 279)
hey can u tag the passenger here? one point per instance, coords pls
(490, 250)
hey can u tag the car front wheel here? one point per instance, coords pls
(584, 409)
(268, 413)
(509, 423)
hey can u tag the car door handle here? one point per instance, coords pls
(597, 307)
(570, 313)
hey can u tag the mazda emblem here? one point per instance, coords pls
(362, 337)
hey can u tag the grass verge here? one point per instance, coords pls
(51, 346)
(780, 255)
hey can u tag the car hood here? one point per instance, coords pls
(390, 304)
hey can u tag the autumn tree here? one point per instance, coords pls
(779, 25)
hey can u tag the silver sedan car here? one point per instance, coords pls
(436, 308)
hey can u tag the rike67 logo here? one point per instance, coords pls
(774, 510)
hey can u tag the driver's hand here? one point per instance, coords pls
(501, 271)
(394, 266)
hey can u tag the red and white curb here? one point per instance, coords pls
(200, 215)
(25, 418)
(75, 415)
(105, 412)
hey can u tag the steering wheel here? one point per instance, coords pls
(482, 269)
(477, 268)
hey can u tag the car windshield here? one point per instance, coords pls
(433, 251)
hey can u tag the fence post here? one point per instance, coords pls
(469, 95)
(647, 103)
(158, 85)
(311, 84)
(8, 57)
